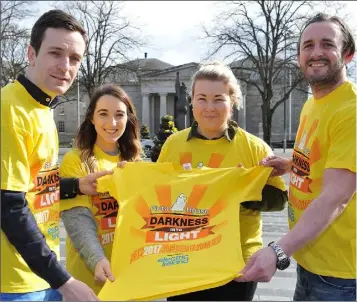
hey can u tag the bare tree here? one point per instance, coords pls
(14, 39)
(261, 39)
(12, 12)
(13, 56)
(110, 38)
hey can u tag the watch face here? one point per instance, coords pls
(283, 264)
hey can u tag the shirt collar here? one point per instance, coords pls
(36, 93)
(228, 133)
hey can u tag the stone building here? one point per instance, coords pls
(152, 90)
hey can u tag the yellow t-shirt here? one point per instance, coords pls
(29, 153)
(326, 139)
(246, 149)
(176, 230)
(104, 209)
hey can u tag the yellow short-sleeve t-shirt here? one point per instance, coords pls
(103, 207)
(326, 139)
(245, 149)
(176, 230)
(29, 153)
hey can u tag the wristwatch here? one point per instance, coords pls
(283, 260)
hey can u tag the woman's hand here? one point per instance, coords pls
(102, 271)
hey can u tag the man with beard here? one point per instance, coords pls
(322, 192)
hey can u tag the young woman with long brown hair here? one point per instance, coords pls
(109, 134)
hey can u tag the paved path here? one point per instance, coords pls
(281, 287)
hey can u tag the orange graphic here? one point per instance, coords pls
(106, 205)
(185, 158)
(189, 224)
(107, 223)
(163, 193)
(46, 188)
(106, 215)
(179, 248)
(158, 221)
(137, 233)
(315, 152)
(156, 237)
(301, 128)
(196, 195)
(217, 207)
(215, 160)
(221, 225)
(297, 203)
(311, 130)
(303, 185)
(141, 207)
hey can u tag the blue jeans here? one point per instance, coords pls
(312, 287)
(42, 295)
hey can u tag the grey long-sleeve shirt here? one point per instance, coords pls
(81, 228)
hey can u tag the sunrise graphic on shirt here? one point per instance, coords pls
(214, 161)
(177, 218)
(307, 152)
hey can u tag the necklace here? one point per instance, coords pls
(112, 153)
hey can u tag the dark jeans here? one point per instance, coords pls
(232, 291)
(312, 287)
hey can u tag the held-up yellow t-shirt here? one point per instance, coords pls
(29, 153)
(245, 149)
(176, 230)
(104, 209)
(326, 139)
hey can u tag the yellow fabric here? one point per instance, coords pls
(176, 230)
(104, 209)
(326, 138)
(29, 153)
(246, 149)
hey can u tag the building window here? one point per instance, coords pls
(61, 126)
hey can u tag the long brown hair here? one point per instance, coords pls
(129, 142)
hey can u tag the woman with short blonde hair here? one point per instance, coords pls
(214, 141)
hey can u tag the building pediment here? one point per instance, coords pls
(186, 72)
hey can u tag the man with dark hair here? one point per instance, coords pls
(30, 185)
(322, 193)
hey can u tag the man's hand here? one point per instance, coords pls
(88, 184)
(102, 271)
(260, 267)
(121, 164)
(281, 165)
(75, 290)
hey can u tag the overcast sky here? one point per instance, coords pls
(174, 27)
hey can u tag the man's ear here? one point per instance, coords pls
(348, 58)
(31, 55)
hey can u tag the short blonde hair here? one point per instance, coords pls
(217, 71)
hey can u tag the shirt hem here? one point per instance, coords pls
(21, 290)
(327, 273)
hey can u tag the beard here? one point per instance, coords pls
(331, 77)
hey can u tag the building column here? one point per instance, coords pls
(244, 111)
(145, 114)
(163, 104)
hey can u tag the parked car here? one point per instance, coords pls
(147, 144)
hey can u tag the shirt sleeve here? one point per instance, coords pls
(21, 229)
(250, 220)
(71, 166)
(276, 181)
(15, 167)
(342, 138)
(81, 228)
(107, 183)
